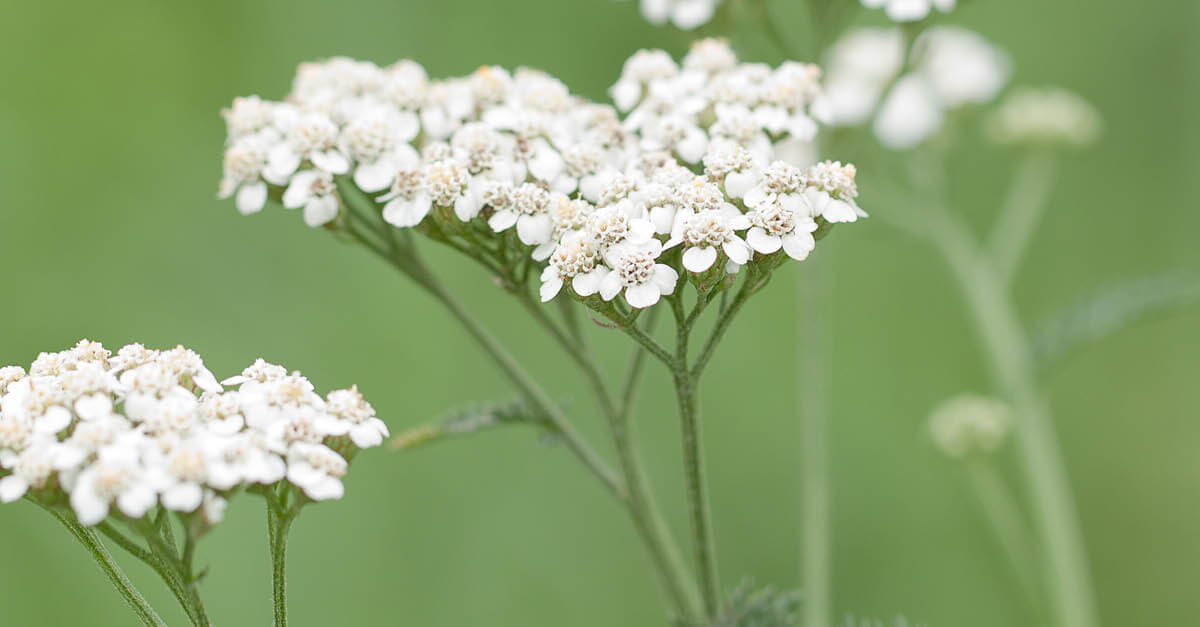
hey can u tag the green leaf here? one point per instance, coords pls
(473, 419)
(761, 607)
(1111, 310)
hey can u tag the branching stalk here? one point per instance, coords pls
(108, 566)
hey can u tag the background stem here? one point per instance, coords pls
(1010, 361)
(813, 387)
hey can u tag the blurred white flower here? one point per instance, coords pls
(969, 424)
(1046, 115)
(686, 14)
(909, 10)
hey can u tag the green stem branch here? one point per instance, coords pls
(108, 566)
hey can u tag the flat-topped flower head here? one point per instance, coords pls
(143, 428)
(694, 155)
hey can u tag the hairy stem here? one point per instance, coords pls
(411, 267)
(699, 512)
(278, 525)
(165, 561)
(112, 572)
(643, 507)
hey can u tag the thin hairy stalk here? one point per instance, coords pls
(813, 388)
(171, 570)
(695, 480)
(112, 572)
(723, 320)
(633, 491)
(1000, 509)
(278, 524)
(1023, 208)
(1010, 361)
(633, 373)
(643, 508)
(161, 568)
(410, 266)
(699, 509)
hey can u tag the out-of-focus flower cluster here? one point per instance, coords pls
(146, 427)
(909, 96)
(909, 10)
(688, 159)
(685, 14)
(968, 424)
(1046, 116)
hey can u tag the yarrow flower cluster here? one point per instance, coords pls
(145, 427)
(969, 424)
(689, 159)
(1047, 116)
(949, 67)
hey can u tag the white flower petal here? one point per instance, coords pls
(533, 230)
(698, 259)
(251, 198)
(762, 242)
(550, 288)
(610, 285)
(331, 161)
(12, 488)
(320, 210)
(502, 220)
(375, 177)
(406, 212)
(642, 296)
(798, 244)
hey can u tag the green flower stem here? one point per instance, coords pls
(405, 261)
(1010, 360)
(108, 566)
(699, 512)
(1000, 509)
(166, 562)
(632, 487)
(278, 524)
(1023, 208)
(813, 387)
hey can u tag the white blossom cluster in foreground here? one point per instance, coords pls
(909, 98)
(909, 10)
(968, 424)
(145, 427)
(683, 175)
(1045, 115)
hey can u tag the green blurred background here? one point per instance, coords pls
(111, 145)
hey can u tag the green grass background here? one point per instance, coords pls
(110, 145)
